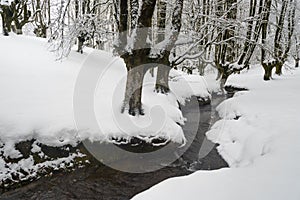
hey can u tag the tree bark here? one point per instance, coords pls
(268, 67)
(249, 33)
(138, 57)
(162, 84)
(4, 25)
(162, 77)
(6, 16)
(278, 67)
(278, 48)
(297, 61)
(134, 85)
(224, 53)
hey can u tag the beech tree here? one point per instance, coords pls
(83, 22)
(14, 15)
(296, 55)
(284, 33)
(41, 17)
(228, 35)
(137, 52)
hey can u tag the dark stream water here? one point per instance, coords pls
(97, 181)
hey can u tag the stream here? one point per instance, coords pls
(97, 181)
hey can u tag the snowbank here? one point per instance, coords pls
(259, 137)
(37, 97)
(247, 79)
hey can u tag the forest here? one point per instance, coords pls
(228, 35)
(149, 99)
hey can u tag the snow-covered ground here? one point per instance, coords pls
(259, 137)
(37, 99)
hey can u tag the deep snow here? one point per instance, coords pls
(37, 99)
(259, 137)
(37, 92)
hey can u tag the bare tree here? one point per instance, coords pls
(14, 16)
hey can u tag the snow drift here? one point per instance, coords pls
(259, 137)
(37, 97)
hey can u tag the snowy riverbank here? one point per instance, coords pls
(37, 102)
(259, 137)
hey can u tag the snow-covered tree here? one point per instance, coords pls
(15, 14)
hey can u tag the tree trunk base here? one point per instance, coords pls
(162, 80)
(279, 66)
(162, 89)
(268, 67)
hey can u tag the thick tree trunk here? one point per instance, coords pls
(137, 59)
(137, 65)
(268, 67)
(162, 77)
(223, 72)
(133, 94)
(6, 16)
(18, 28)
(162, 80)
(81, 40)
(4, 27)
(279, 66)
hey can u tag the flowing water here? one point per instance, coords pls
(97, 181)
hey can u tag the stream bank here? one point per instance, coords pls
(90, 179)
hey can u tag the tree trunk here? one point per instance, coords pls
(279, 66)
(268, 67)
(134, 85)
(4, 27)
(162, 79)
(256, 33)
(81, 40)
(230, 33)
(224, 52)
(18, 27)
(6, 16)
(137, 59)
(297, 63)
(249, 33)
(162, 83)
(278, 48)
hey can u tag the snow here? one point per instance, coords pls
(37, 98)
(36, 92)
(30, 168)
(5, 2)
(37, 102)
(259, 138)
(186, 85)
(247, 79)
